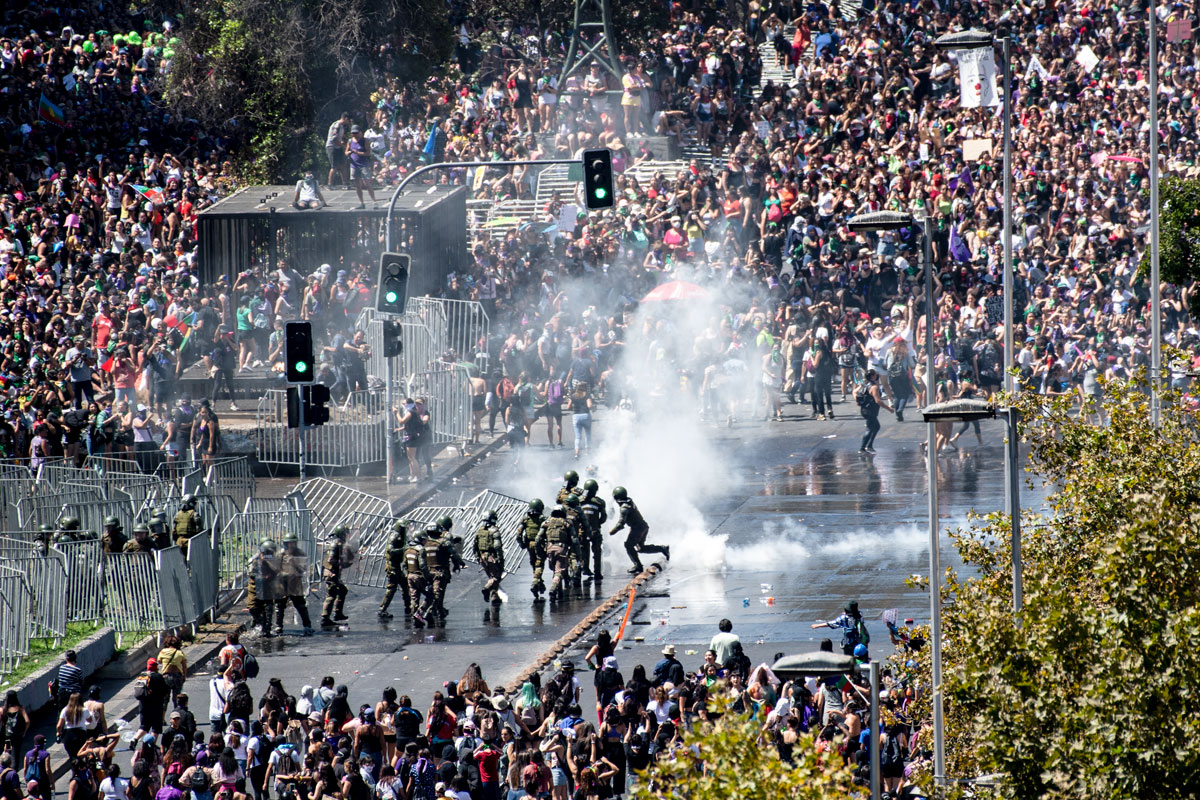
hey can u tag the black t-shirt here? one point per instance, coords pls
(183, 417)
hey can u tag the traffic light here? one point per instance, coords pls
(393, 342)
(314, 398)
(597, 178)
(315, 413)
(298, 352)
(393, 283)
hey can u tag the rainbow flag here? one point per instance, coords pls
(51, 113)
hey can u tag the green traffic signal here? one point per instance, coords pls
(600, 193)
(301, 366)
(391, 296)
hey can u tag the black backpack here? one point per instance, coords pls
(250, 665)
(863, 397)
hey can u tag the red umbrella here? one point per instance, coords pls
(676, 290)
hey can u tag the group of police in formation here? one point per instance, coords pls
(419, 563)
(156, 534)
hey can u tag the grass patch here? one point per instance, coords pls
(45, 651)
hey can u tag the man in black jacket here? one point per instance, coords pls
(152, 693)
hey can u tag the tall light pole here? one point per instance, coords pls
(890, 221)
(1155, 293)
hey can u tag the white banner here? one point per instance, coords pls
(1035, 66)
(1087, 58)
(977, 78)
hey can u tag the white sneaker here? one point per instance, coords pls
(233, 407)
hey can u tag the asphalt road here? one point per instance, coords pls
(773, 525)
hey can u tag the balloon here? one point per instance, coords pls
(171, 321)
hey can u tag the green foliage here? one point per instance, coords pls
(1089, 692)
(269, 75)
(1179, 234)
(728, 759)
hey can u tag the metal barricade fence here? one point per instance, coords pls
(108, 465)
(447, 392)
(47, 577)
(239, 540)
(204, 566)
(355, 435)
(16, 482)
(420, 346)
(179, 605)
(52, 474)
(467, 326)
(18, 544)
(16, 606)
(432, 314)
(92, 515)
(232, 477)
(85, 579)
(131, 597)
(329, 500)
(47, 508)
(509, 513)
(254, 504)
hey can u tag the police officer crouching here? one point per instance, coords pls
(635, 542)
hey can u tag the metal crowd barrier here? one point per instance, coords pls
(15, 482)
(131, 595)
(16, 607)
(330, 500)
(241, 536)
(233, 477)
(446, 390)
(47, 579)
(47, 508)
(179, 606)
(92, 515)
(355, 435)
(370, 537)
(467, 327)
(85, 579)
(203, 560)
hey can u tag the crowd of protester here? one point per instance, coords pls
(585, 731)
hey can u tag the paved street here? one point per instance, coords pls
(799, 516)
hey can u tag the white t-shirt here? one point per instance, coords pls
(308, 192)
(86, 719)
(114, 788)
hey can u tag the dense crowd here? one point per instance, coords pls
(551, 737)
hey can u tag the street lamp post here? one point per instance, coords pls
(1155, 291)
(889, 221)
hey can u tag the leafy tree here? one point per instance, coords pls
(1178, 235)
(270, 74)
(1089, 691)
(727, 759)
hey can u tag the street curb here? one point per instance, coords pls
(92, 654)
(584, 625)
(441, 482)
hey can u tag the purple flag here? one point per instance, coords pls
(964, 180)
(958, 248)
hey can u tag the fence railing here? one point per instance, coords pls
(355, 435)
(233, 477)
(446, 390)
(131, 597)
(85, 579)
(16, 621)
(241, 536)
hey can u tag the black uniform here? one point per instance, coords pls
(635, 542)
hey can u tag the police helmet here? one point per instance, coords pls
(400, 526)
(619, 493)
(159, 514)
(558, 511)
(70, 523)
(445, 523)
(189, 501)
(112, 522)
(536, 506)
(432, 530)
(573, 500)
(490, 518)
(341, 531)
(142, 528)
(571, 477)
(591, 486)
(290, 536)
(45, 527)
(266, 547)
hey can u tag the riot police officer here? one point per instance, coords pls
(158, 528)
(556, 539)
(394, 566)
(441, 558)
(335, 589)
(187, 522)
(140, 543)
(416, 576)
(68, 530)
(578, 539)
(114, 538)
(44, 537)
(528, 538)
(489, 551)
(595, 514)
(635, 542)
(262, 586)
(570, 479)
(293, 567)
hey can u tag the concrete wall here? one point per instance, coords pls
(91, 654)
